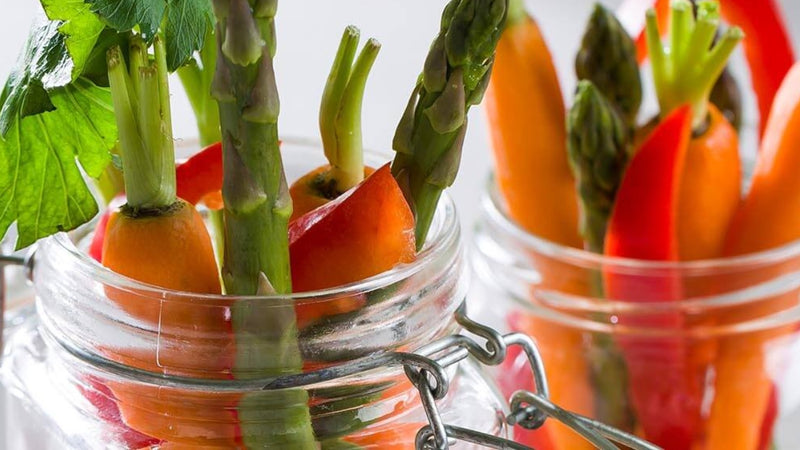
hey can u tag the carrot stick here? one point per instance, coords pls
(767, 219)
(686, 74)
(159, 239)
(526, 114)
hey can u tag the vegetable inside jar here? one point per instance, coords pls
(84, 373)
(730, 339)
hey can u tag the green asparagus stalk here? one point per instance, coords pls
(607, 58)
(257, 210)
(431, 132)
(340, 111)
(599, 149)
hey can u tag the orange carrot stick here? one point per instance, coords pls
(768, 218)
(527, 123)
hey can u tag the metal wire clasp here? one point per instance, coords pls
(529, 409)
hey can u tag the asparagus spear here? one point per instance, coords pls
(257, 210)
(607, 58)
(340, 111)
(431, 132)
(599, 149)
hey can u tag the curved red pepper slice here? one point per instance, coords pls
(665, 396)
(201, 174)
(767, 43)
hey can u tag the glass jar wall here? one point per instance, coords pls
(702, 355)
(107, 362)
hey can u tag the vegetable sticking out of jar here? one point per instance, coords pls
(711, 179)
(430, 136)
(155, 237)
(340, 127)
(525, 110)
(643, 226)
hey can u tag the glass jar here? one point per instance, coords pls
(700, 355)
(106, 362)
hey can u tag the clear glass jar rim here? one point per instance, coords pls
(492, 205)
(444, 233)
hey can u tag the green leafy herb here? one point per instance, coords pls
(55, 110)
(185, 22)
(79, 26)
(42, 187)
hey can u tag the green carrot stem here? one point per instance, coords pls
(340, 111)
(334, 91)
(688, 72)
(516, 12)
(147, 159)
(196, 78)
(348, 170)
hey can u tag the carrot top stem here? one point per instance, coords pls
(340, 112)
(516, 12)
(686, 69)
(141, 107)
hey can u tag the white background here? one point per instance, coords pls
(309, 31)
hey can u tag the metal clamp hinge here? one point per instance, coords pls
(529, 409)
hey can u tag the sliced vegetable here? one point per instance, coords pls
(201, 174)
(768, 218)
(430, 136)
(686, 73)
(370, 227)
(340, 127)
(666, 396)
(526, 114)
(159, 239)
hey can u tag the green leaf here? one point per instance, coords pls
(188, 22)
(185, 22)
(43, 188)
(55, 55)
(43, 64)
(79, 26)
(124, 15)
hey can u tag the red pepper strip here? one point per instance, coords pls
(768, 424)
(767, 47)
(96, 247)
(767, 43)
(201, 174)
(643, 226)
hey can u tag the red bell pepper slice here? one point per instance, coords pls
(767, 43)
(643, 226)
(201, 174)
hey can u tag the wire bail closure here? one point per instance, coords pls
(426, 369)
(529, 410)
